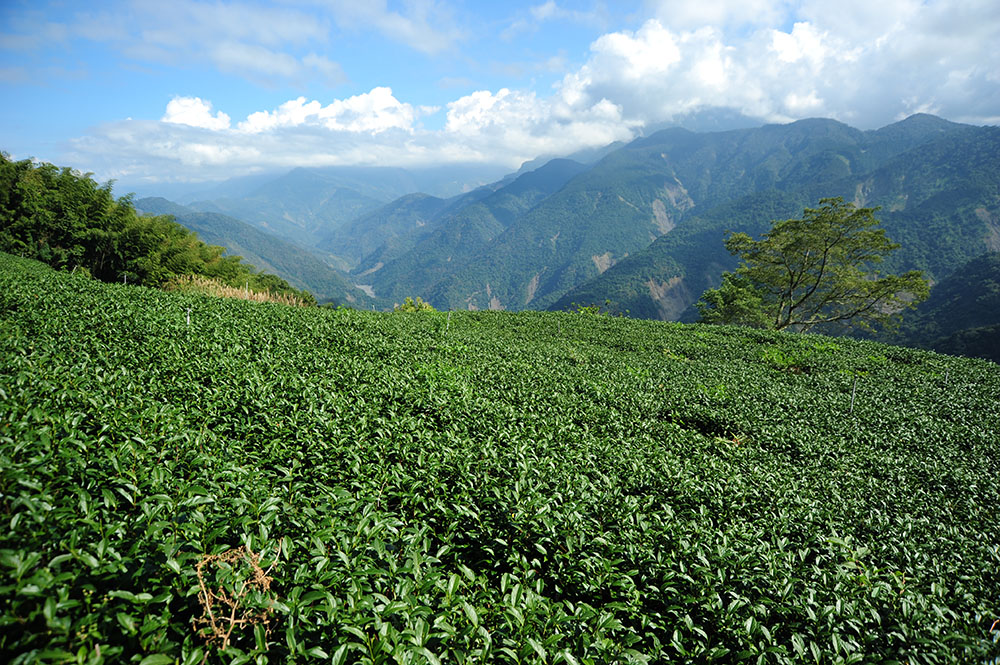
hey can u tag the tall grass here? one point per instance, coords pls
(212, 287)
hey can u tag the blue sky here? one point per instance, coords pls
(147, 91)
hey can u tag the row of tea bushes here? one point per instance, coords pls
(187, 478)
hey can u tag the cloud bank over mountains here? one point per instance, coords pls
(861, 62)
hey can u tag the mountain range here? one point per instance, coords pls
(637, 226)
(297, 265)
(962, 315)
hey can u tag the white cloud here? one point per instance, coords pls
(802, 43)
(332, 72)
(237, 58)
(637, 56)
(376, 111)
(551, 11)
(687, 15)
(424, 25)
(862, 62)
(513, 126)
(194, 112)
(264, 44)
(193, 141)
(372, 112)
(536, 15)
(484, 111)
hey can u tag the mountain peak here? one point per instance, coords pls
(917, 127)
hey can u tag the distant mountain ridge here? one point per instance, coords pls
(962, 315)
(305, 203)
(939, 200)
(651, 188)
(295, 264)
(638, 225)
(459, 232)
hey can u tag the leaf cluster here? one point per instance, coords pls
(65, 219)
(819, 270)
(511, 488)
(411, 305)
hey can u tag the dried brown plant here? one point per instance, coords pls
(223, 611)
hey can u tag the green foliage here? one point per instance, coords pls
(802, 358)
(587, 310)
(363, 487)
(936, 182)
(265, 252)
(606, 309)
(411, 305)
(68, 221)
(962, 312)
(815, 271)
(737, 300)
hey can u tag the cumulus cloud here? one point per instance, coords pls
(374, 112)
(195, 141)
(864, 63)
(194, 112)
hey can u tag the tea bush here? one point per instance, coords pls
(268, 483)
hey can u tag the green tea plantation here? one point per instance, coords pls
(185, 479)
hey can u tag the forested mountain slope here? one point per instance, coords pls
(940, 201)
(381, 235)
(298, 266)
(458, 236)
(962, 315)
(658, 185)
(663, 280)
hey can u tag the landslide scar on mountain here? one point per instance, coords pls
(862, 192)
(494, 301)
(678, 195)
(532, 287)
(992, 228)
(603, 261)
(671, 297)
(661, 219)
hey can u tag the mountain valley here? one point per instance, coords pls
(637, 228)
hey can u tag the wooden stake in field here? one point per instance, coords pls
(189, 316)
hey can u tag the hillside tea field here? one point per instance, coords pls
(268, 483)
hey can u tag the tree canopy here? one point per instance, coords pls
(66, 219)
(819, 270)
